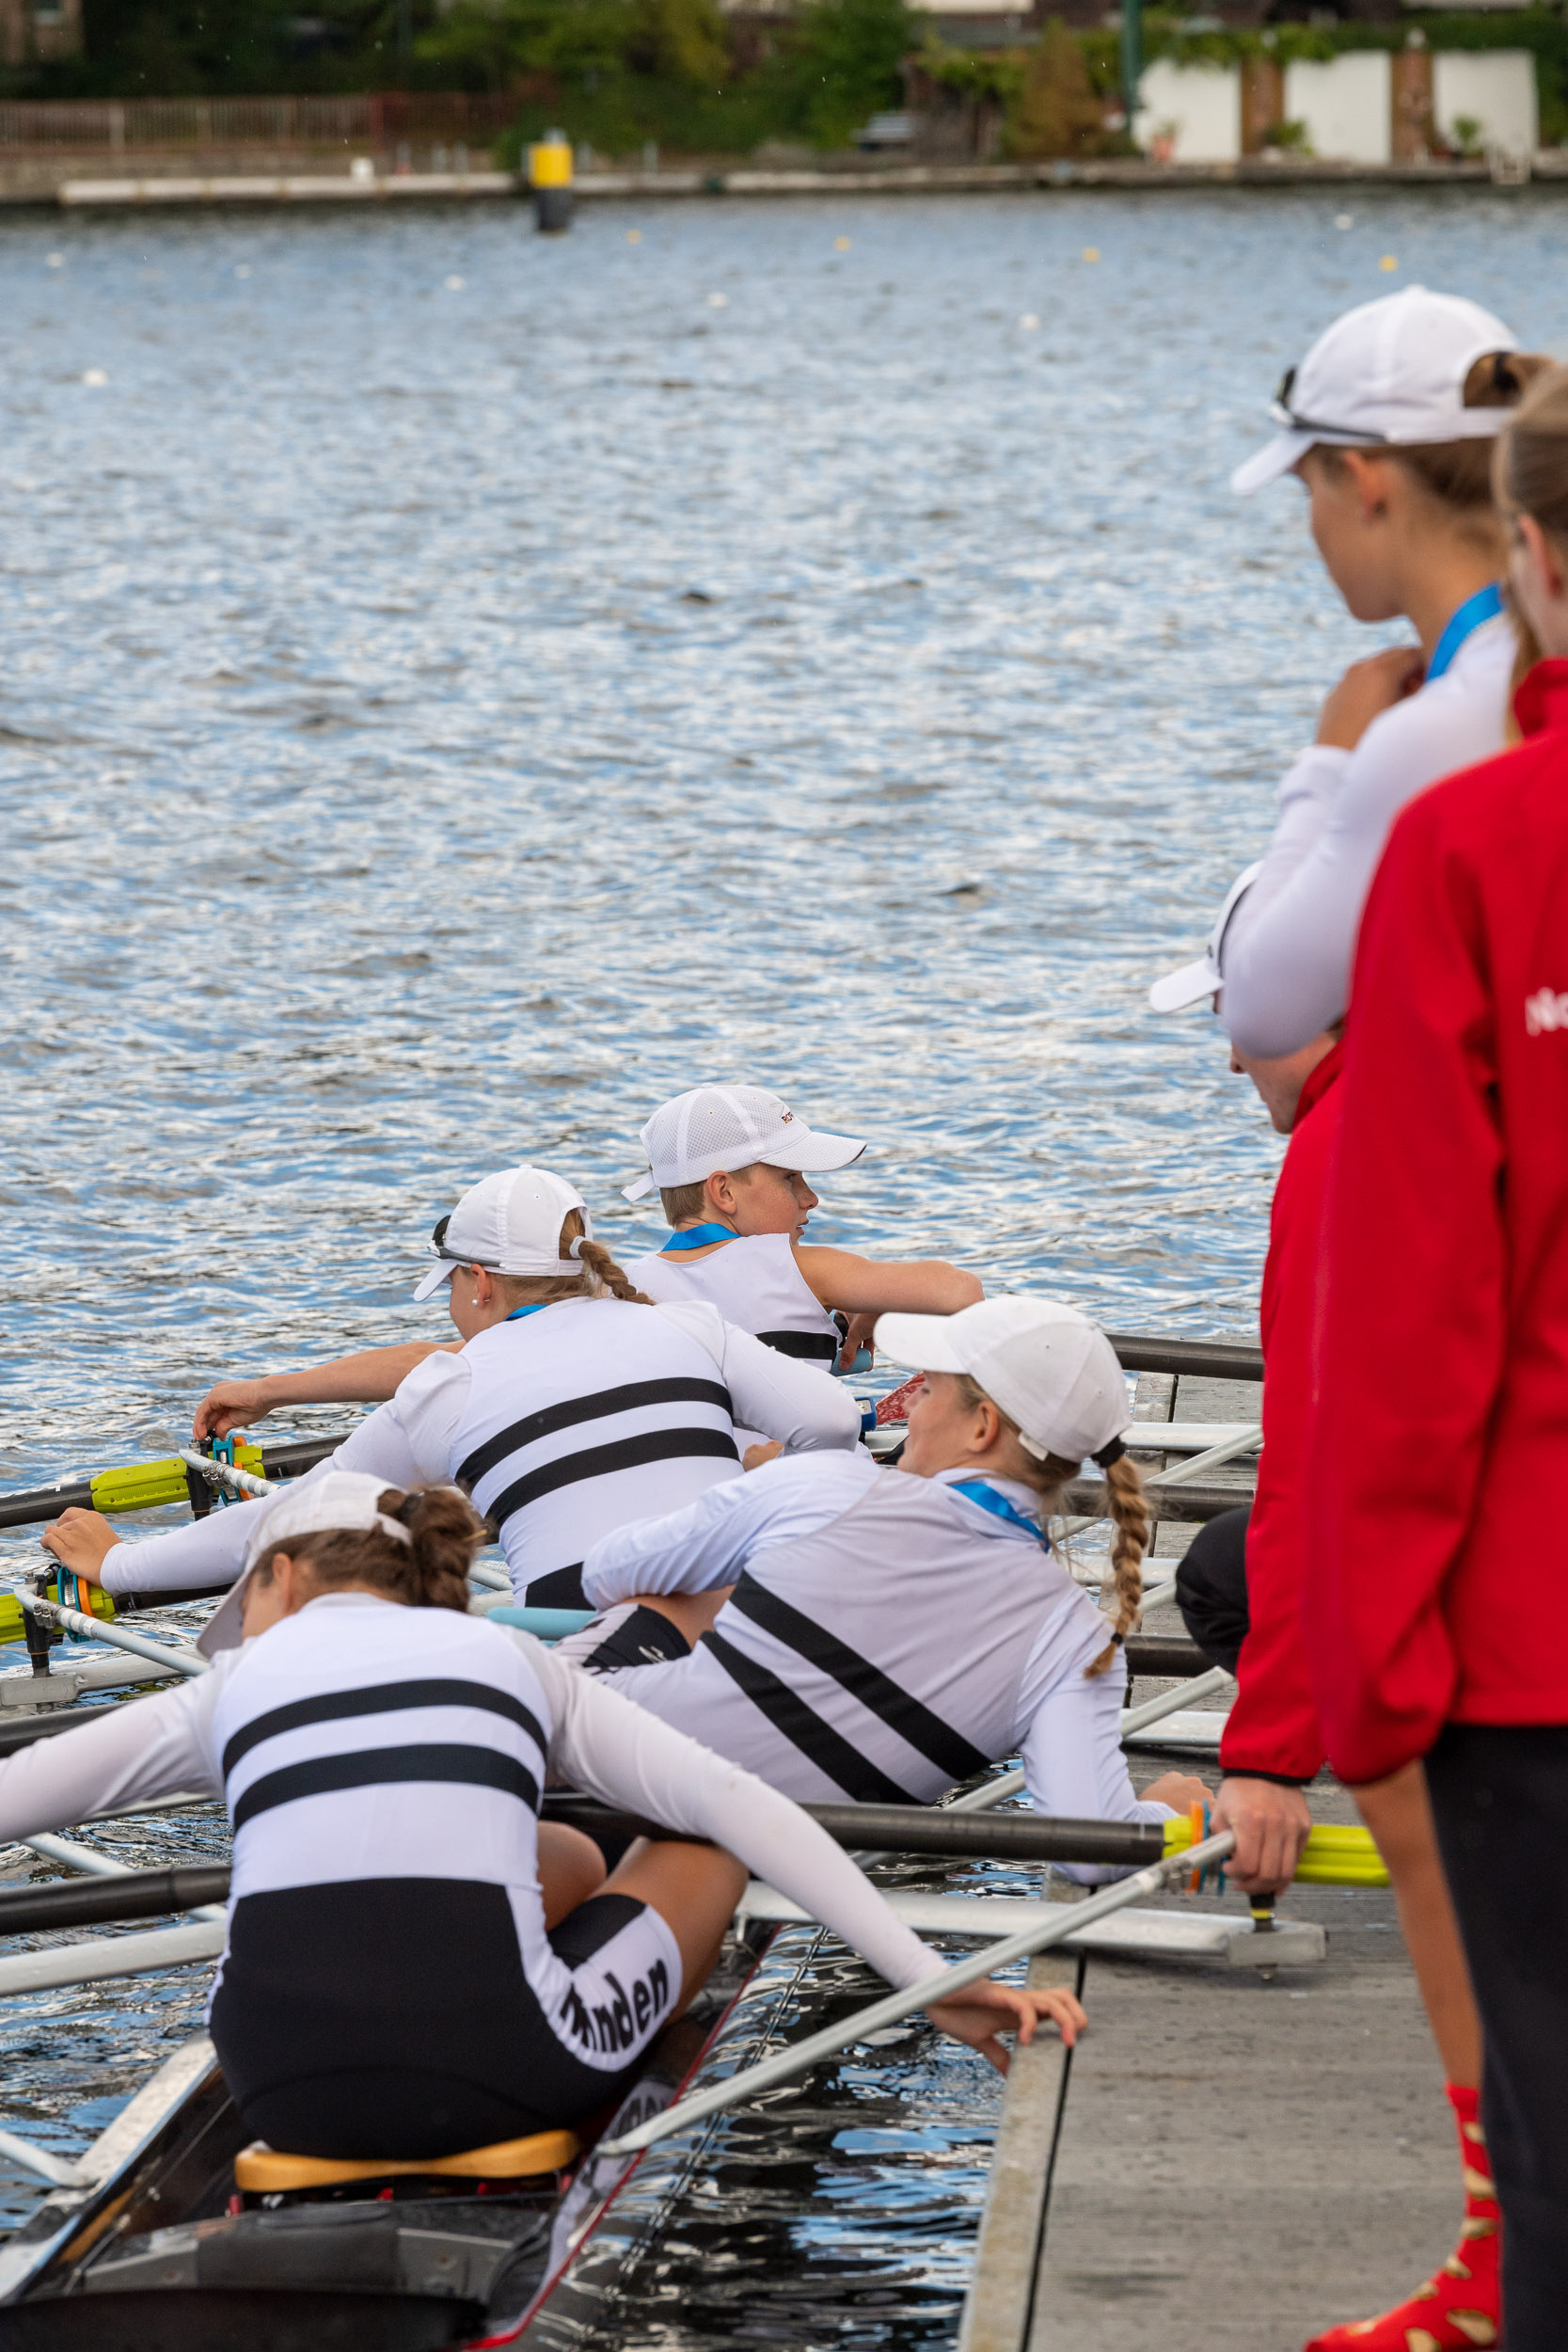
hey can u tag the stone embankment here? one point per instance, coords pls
(289, 176)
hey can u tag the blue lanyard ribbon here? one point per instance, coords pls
(518, 1312)
(1473, 614)
(698, 1237)
(989, 1500)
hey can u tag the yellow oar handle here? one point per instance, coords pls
(145, 1485)
(1335, 1856)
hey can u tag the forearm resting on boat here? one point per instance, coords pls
(873, 1286)
(371, 1377)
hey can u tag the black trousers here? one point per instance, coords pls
(1499, 1794)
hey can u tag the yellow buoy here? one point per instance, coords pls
(1389, 260)
(841, 244)
(1091, 253)
(549, 176)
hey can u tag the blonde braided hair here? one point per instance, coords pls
(601, 1277)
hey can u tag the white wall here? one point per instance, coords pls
(1496, 87)
(1204, 102)
(1346, 105)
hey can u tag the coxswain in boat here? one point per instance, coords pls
(569, 1405)
(731, 1166)
(1433, 1612)
(849, 1631)
(1389, 424)
(1240, 1589)
(415, 1965)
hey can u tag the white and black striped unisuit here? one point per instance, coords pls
(880, 1657)
(753, 1282)
(382, 1767)
(580, 1420)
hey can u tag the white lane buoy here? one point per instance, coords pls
(718, 302)
(241, 269)
(94, 376)
(456, 284)
(55, 260)
(1029, 321)
(1344, 220)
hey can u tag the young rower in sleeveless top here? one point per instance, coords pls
(729, 1165)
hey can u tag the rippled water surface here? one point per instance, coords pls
(460, 686)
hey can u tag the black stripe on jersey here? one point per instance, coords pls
(876, 1692)
(816, 1346)
(805, 1729)
(599, 1461)
(380, 1698)
(368, 1768)
(557, 1588)
(579, 1408)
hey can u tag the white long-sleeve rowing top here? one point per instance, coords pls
(1288, 949)
(887, 1635)
(562, 1425)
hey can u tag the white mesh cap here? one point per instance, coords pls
(339, 1501)
(509, 1223)
(1051, 1370)
(1194, 981)
(712, 1128)
(1386, 374)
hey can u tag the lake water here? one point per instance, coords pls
(462, 687)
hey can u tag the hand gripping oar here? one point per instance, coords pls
(898, 2006)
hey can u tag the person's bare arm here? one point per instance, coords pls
(865, 1288)
(369, 1378)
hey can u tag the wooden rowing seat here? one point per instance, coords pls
(263, 2171)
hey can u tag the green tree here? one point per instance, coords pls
(841, 64)
(1055, 112)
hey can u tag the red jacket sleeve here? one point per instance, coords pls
(1272, 1726)
(1412, 1310)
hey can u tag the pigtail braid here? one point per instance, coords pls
(1130, 1521)
(606, 1275)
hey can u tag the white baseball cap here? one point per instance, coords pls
(1194, 981)
(509, 1223)
(1387, 374)
(722, 1127)
(1051, 1370)
(339, 1501)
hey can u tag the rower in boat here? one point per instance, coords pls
(729, 1165)
(569, 1405)
(849, 1631)
(415, 1965)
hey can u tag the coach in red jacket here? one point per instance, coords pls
(1437, 1612)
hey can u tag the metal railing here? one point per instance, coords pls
(378, 121)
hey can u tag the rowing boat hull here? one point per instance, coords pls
(154, 2258)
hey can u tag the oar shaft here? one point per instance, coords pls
(898, 2006)
(131, 1895)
